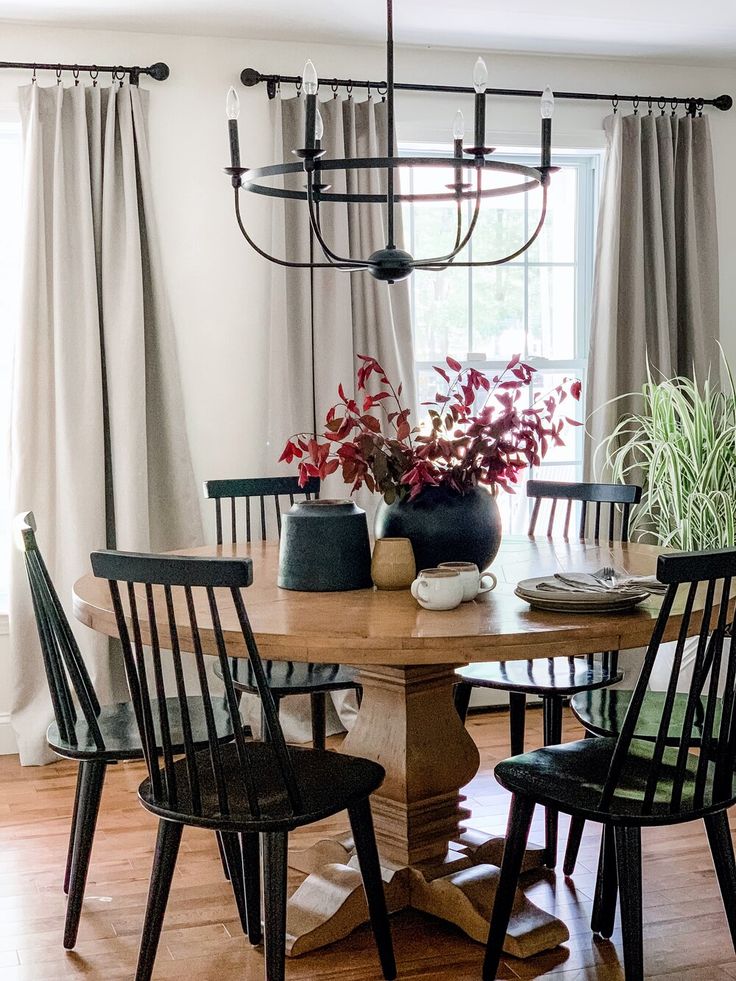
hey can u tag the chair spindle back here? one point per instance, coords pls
(66, 672)
(258, 488)
(712, 725)
(587, 494)
(152, 591)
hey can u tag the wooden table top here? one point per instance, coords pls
(369, 626)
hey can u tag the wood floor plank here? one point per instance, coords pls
(686, 936)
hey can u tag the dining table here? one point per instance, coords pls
(406, 657)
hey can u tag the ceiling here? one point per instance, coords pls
(664, 29)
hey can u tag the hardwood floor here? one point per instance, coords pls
(686, 936)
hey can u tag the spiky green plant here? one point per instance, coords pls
(681, 447)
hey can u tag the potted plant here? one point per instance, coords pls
(681, 447)
(438, 480)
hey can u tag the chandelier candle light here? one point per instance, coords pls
(391, 264)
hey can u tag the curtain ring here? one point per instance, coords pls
(661, 105)
(673, 106)
(614, 103)
(699, 103)
(369, 91)
(278, 88)
(33, 76)
(635, 103)
(349, 88)
(93, 73)
(382, 90)
(298, 88)
(649, 103)
(58, 74)
(334, 87)
(75, 73)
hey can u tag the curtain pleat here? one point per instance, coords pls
(655, 292)
(98, 442)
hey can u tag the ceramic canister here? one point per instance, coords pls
(393, 565)
(324, 547)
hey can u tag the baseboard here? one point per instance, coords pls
(8, 745)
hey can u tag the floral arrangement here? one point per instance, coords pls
(476, 432)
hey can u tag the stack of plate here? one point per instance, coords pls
(559, 600)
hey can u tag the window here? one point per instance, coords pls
(10, 235)
(537, 305)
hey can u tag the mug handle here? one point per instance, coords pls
(415, 587)
(483, 588)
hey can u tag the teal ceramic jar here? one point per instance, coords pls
(324, 547)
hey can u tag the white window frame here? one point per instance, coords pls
(588, 165)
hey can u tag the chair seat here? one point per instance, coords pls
(550, 675)
(292, 677)
(120, 731)
(571, 778)
(328, 783)
(602, 713)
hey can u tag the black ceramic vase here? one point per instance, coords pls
(324, 547)
(444, 526)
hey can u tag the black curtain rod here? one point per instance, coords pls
(250, 77)
(159, 71)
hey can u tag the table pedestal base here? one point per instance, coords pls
(408, 723)
(330, 903)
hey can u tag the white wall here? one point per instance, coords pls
(218, 289)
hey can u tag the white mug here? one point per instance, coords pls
(473, 582)
(438, 589)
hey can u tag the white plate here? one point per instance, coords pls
(576, 602)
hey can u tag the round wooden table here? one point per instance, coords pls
(407, 721)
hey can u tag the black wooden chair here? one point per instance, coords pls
(243, 788)
(555, 679)
(92, 734)
(647, 775)
(284, 677)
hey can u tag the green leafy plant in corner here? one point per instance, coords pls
(681, 447)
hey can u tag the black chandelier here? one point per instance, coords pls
(391, 264)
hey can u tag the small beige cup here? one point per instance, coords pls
(438, 589)
(473, 583)
(393, 565)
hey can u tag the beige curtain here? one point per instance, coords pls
(322, 320)
(98, 443)
(655, 290)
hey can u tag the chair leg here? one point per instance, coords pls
(517, 721)
(162, 872)
(251, 848)
(517, 833)
(721, 847)
(223, 856)
(461, 694)
(574, 837)
(628, 863)
(72, 832)
(361, 823)
(234, 862)
(274, 900)
(606, 887)
(552, 711)
(91, 781)
(318, 701)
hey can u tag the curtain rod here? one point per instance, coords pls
(159, 71)
(250, 77)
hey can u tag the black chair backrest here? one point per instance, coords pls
(163, 582)
(66, 671)
(709, 575)
(597, 494)
(259, 488)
